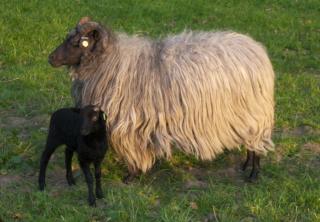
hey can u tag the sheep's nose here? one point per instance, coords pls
(54, 60)
(51, 59)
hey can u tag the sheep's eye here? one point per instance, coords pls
(74, 43)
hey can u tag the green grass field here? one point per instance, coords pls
(182, 189)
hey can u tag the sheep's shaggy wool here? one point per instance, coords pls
(200, 92)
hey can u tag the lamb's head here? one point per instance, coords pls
(93, 120)
(87, 39)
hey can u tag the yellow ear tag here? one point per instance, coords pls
(85, 43)
(104, 117)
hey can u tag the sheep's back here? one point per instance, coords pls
(220, 93)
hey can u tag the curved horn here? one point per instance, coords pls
(87, 27)
(84, 20)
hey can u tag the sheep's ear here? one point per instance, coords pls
(91, 29)
(84, 20)
(95, 34)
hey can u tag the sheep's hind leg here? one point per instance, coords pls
(248, 160)
(68, 162)
(97, 168)
(130, 177)
(89, 179)
(255, 168)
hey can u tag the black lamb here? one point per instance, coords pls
(81, 130)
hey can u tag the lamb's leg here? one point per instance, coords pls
(89, 179)
(51, 145)
(248, 160)
(255, 167)
(68, 162)
(97, 168)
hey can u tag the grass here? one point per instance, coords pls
(182, 189)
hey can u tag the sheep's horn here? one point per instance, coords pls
(84, 20)
(87, 27)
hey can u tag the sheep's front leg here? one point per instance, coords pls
(97, 168)
(68, 162)
(89, 179)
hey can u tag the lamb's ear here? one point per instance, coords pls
(75, 110)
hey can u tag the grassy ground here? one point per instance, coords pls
(183, 189)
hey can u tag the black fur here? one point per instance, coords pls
(83, 131)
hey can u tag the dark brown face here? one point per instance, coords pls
(79, 42)
(92, 118)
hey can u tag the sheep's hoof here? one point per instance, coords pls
(244, 167)
(128, 178)
(99, 194)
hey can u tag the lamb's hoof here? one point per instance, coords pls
(92, 202)
(41, 187)
(99, 194)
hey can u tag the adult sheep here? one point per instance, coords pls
(200, 92)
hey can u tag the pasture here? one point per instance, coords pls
(182, 189)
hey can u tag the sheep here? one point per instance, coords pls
(81, 130)
(199, 92)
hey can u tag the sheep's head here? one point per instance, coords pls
(87, 38)
(93, 119)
